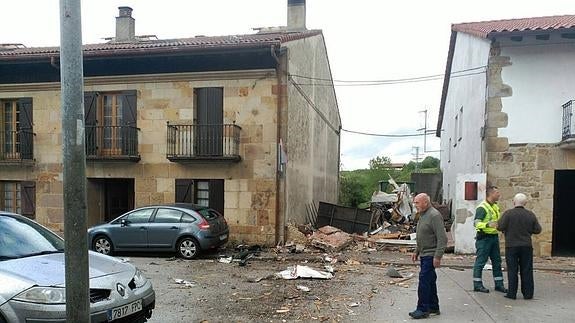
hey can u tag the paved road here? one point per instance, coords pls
(222, 288)
(553, 302)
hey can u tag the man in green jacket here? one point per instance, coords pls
(487, 241)
(431, 242)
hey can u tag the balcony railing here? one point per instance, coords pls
(112, 143)
(16, 146)
(568, 124)
(216, 142)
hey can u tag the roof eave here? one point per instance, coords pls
(446, 79)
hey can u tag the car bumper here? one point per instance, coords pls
(16, 311)
(214, 241)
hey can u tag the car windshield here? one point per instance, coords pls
(24, 238)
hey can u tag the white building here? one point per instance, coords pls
(506, 119)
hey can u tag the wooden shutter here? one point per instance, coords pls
(28, 198)
(184, 190)
(129, 107)
(210, 116)
(25, 107)
(90, 122)
(217, 195)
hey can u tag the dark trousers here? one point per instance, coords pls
(520, 261)
(487, 248)
(427, 288)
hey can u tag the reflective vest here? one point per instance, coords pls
(491, 214)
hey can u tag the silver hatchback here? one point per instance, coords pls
(32, 277)
(184, 228)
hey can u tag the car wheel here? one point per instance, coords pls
(103, 245)
(188, 248)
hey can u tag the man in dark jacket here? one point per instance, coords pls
(518, 224)
(431, 242)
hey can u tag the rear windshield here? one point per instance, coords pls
(208, 214)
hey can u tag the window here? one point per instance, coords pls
(456, 131)
(460, 125)
(16, 128)
(205, 192)
(167, 216)
(110, 123)
(18, 197)
(449, 151)
(140, 216)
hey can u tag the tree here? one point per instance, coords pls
(351, 192)
(380, 163)
(429, 162)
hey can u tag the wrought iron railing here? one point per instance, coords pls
(16, 145)
(568, 124)
(203, 142)
(112, 142)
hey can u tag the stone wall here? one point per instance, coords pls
(249, 186)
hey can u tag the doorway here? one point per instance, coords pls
(563, 221)
(109, 198)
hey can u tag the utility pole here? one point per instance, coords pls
(416, 158)
(74, 162)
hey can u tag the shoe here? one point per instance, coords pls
(527, 297)
(417, 314)
(509, 296)
(434, 312)
(481, 289)
(501, 289)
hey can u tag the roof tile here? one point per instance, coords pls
(484, 29)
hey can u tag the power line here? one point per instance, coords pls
(390, 135)
(391, 81)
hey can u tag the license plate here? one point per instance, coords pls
(223, 237)
(124, 310)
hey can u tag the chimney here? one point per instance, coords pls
(296, 15)
(125, 25)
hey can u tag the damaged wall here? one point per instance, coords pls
(312, 146)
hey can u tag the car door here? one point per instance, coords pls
(131, 231)
(163, 230)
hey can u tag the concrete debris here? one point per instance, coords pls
(330, 239)
(298, 271)
(393, 273)
(225, 260)
(186, 283)
(303, 288)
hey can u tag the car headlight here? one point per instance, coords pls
(139, 279)
(43, 295)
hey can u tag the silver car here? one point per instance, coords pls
(184, 228)
(32, 277)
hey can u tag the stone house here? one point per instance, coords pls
(506, 118)
(217, 121)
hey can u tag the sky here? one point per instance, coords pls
(366, 40)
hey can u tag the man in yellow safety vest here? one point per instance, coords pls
(487, 241)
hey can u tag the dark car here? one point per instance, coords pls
(184, 228)
(32, 279)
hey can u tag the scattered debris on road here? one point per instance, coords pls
(299, 271)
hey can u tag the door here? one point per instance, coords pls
(163, 230)
(210, 118)
(131, 231)
(119, 197)
(563, 243)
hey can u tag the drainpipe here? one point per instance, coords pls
(281, 213)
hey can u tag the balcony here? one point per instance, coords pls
(16, 147)
(112, 143)
(568, 133)
(203, 143)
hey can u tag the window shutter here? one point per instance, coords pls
(28, 199)
(217, 195)
(25, 107)
(184, 190)
(90, 108)
(129, 107)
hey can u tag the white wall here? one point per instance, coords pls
(542, 77)
(463, 228)
(467, 92)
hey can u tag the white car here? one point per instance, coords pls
(32, 277)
